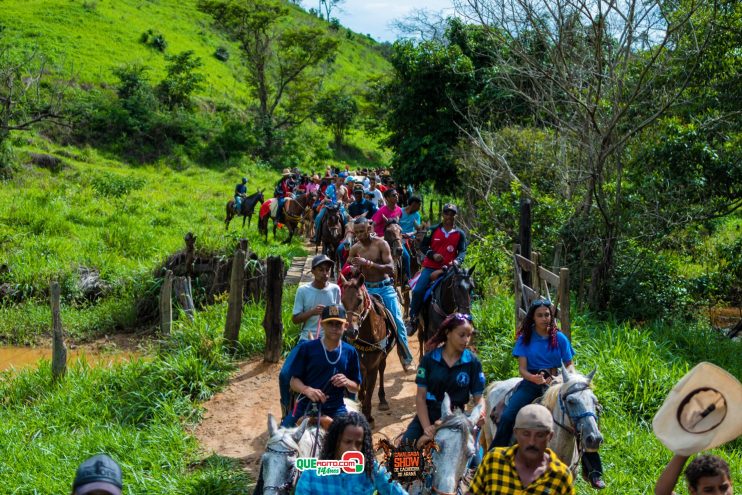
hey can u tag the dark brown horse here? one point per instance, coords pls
(451, 295)
(393, 236)
(367, 332)
(293, 208)
(247, 208)
(332, 232)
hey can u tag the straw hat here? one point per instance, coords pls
(286, 172)
(701, 412)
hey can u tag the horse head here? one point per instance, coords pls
(355, 301)
(456, 445)
(461, 286)
(393, 237)
(278, 461)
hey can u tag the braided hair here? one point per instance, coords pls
(528, 326)
(452, 321)
(330, 445)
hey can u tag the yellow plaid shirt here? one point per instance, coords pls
(497, 474)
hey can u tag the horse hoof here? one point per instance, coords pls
(383, 406)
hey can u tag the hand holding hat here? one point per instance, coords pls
(701, 412)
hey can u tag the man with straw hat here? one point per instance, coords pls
(284, 189)
(703, 411)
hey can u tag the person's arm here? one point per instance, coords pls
(425, 244)
(523, 370)
(305, 315)
(313, 394)
(421, 407)
(669, 477)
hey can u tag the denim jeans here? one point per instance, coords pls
(389, 296)
(526, 393)
(284, 380)
(418, 293)
(406, 262)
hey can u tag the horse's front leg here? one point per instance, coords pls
(371, 373)
(383, 404)
(244, 217)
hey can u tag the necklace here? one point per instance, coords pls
(340, 353)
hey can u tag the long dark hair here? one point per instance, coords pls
(329, 447)
(528, 326)
(452, 321)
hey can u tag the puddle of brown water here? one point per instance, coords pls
(24, 357)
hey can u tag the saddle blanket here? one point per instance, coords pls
(270, 206)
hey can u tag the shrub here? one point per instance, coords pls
(154, 39)
(222, 53)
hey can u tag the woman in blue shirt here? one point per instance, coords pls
(541, 350)
(348, 433)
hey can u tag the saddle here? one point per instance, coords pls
(391, 326)
(499, 408)
(436, 278)
(324, 421)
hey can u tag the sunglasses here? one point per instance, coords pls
(541, 302)
(460, 317)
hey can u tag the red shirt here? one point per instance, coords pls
(444, 245)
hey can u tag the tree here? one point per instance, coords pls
(338, 111)
(592, 70)
(281, 61)
(327, 6)
(181, 80)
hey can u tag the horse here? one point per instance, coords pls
(278, 472)
(247, 208)
(456, 440)
(393, 237)
(450, 295)
(573, 406)
(367, 332)
(307, 223)
(292, 211)
(332, 232)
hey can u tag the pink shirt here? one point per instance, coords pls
(378, 219)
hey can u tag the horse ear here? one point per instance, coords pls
(565, 374)
(342, 279)
(272, 425)
(475, 413)
(446, 406)
(591, 375)
(361, 279)
(300, 431)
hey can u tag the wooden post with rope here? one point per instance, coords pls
(234, 306)
(59, 351)
(272, 322)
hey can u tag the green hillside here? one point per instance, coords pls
(91, 37)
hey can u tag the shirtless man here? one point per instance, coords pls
(372, 256)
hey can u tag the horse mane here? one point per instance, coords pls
(551, 397)
(457, 419)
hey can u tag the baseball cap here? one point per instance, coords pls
(534, 417)
(333, 313)
(450, 207)
(319, 259)
(99, 472)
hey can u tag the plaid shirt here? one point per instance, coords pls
(497, 474)
(347, 484)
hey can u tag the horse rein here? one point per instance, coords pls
(293, 474)
(573, 430)
(361, 318)
(433, 489)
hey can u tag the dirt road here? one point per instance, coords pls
(235, 422)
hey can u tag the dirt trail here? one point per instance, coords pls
(235, 422)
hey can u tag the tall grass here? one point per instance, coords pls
(637, 367)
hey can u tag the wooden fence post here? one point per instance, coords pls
(59, 351)
(182, 289)
(516, 267)
(430, 213)
(166, 304)
(525, 235)
(564, 316)
(535, 278)
(234, 308)
(272, 322)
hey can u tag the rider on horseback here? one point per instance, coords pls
(240, 191)
(410, 221)
(361, 206)
(334, 195)
(284, 189)
(444, 244)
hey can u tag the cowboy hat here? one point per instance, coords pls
(701, 412)
(286, 172)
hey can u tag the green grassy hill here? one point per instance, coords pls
(91, 37)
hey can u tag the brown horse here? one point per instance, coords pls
(393, 236)
(367, 332)
(332, 232)
(451, 295)
(413, 243)
(292, 211)
(247, 208)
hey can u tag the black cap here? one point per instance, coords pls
(99, 472)
(333, 313)
(319, 259)
(450, 207)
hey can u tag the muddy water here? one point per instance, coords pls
(24, 357)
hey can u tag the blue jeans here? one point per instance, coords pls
(418, 293)
(406, 262)
(290, 420)
(284, 380)
(525, 394)
(389, 296)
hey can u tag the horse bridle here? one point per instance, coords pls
(464, 431)
(293, 473)
(459, 307)
(575, 419)
(361, 318)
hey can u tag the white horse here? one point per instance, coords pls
(455, 437)
(573, 406)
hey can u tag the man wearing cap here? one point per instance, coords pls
(373, 258)
(335, 194)
(378, 199)
(360, 206)
(98, 475)
(324, 369)
(240, 191)
(528, 466)
(309, 302)
(444, 244)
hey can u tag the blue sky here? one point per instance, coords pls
(374, 16)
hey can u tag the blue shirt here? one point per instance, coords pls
(462, 380)
(408, 220)
(360, 207)
(311, 366)
(538, 353)
(347, 484)
(240, 189)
